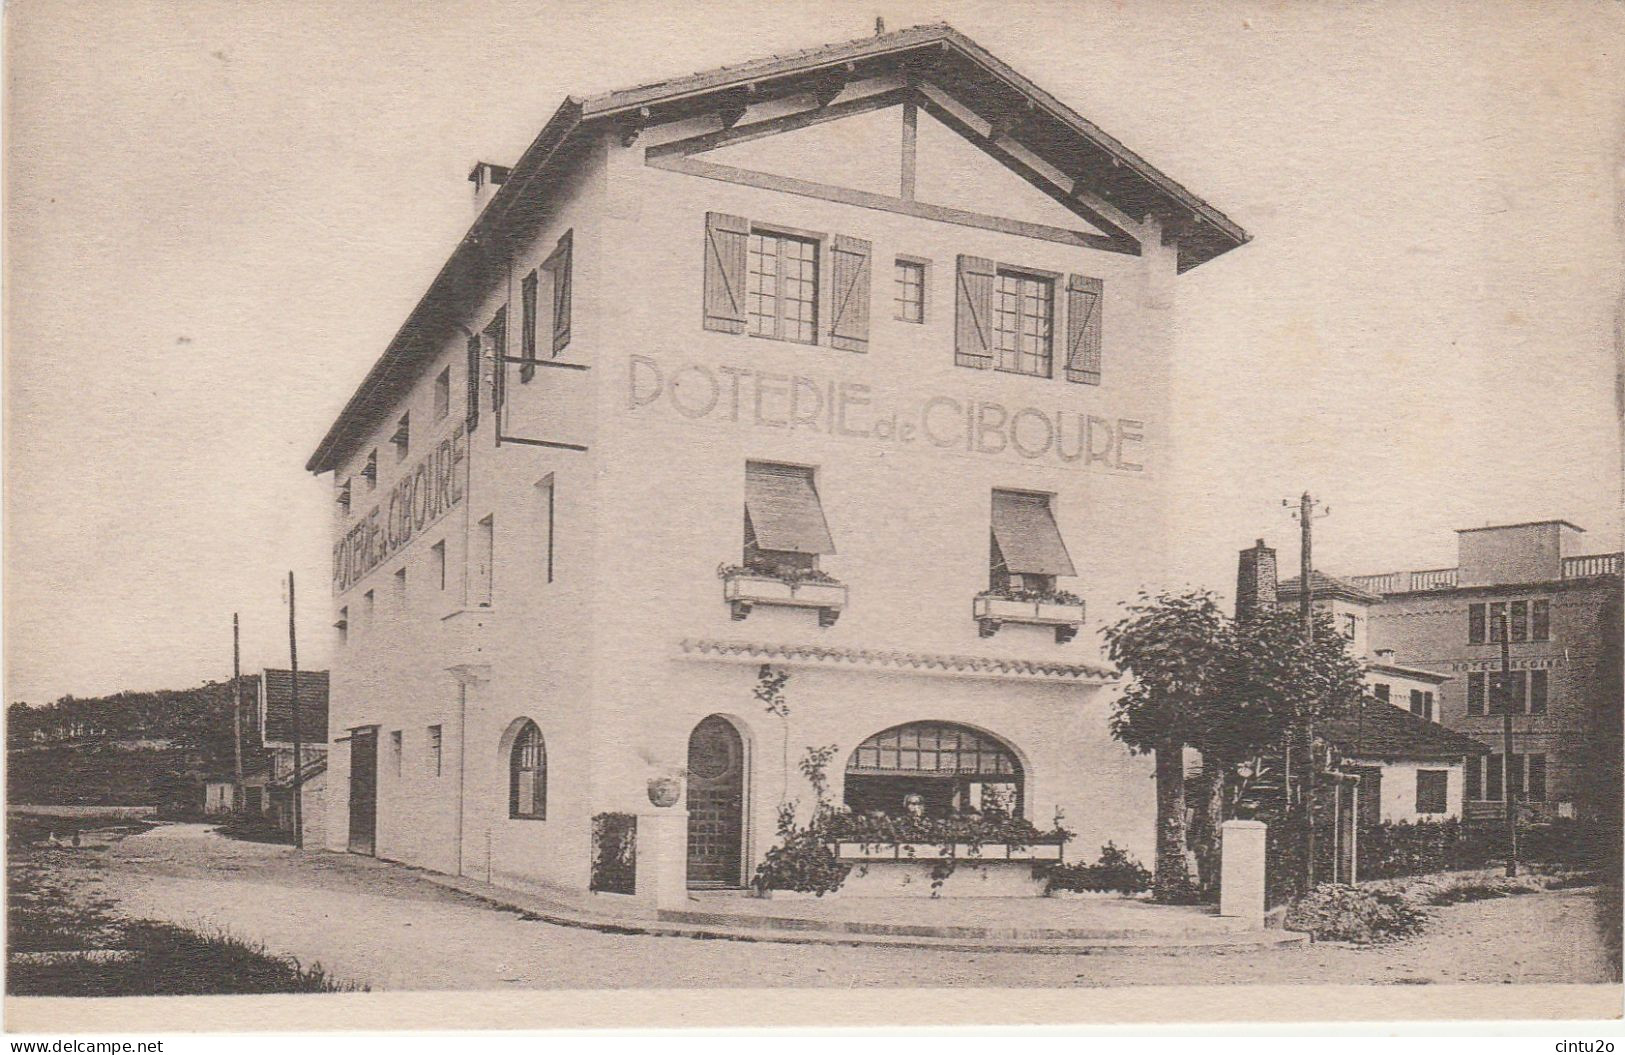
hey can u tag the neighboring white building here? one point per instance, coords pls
(852, 364)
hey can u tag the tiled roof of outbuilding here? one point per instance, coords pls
(1383, 731)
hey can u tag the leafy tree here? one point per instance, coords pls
(1178, 648)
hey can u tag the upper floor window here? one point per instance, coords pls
(1475, 624)
(1026, 552)
(369, 472)
(1539, 691)
(432, 759)
(1422, 704)
(1520, 620)
(527, 775)
(909, 296)
(1540, 620)
(1498, 616)
(1024, 323)
(781, 292)
(442, 394)
(342, 496)
(403, 436)
(785, 527)
(1381, 692)
(1350, 621)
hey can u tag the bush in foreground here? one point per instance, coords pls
(1364, 915)
(1116, 872)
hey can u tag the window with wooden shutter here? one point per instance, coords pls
(1027, 551)
(496, 343)
(1536, 791)
(1416, 702)
(1540, 621)
(1539, 689)
(1520, 620)
(1475, 694)
(784, 519)
(559, 265)
(527, 322)
(1475, 778)
(473, 385)
(1475, 624)
(1431, 790)
(973, 312)
(849, 305)
(1084, 301)
(1498, 615)
(1493, 777)
(725, 238)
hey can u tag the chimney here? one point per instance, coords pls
(486, 178)
(1385, 655)
(1255, 581)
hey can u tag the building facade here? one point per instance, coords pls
(851, 366)
(1561, 611)
(1409, 766)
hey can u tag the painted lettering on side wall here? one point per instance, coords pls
(418, 499)
(1529, 663)
(844, 408)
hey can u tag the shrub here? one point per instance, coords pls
(1389, 850)
(1334, 912)
(802, 861)
(1115, 871)
(614, 853)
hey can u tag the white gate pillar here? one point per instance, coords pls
(1241, 870)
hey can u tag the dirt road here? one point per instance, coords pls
(390, 929)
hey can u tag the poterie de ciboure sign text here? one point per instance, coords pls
(418, 499)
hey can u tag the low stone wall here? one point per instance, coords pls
(114, 812)
(970, 878)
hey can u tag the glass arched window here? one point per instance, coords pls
(527, 775)
(952, 768)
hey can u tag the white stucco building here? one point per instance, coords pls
(852, 363)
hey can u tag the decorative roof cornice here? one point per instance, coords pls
(927, 663)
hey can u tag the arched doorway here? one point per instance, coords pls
(953, 768)
(716, 804)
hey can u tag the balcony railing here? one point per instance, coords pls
(1437, 579)
(1593, 564)
(1389, 583)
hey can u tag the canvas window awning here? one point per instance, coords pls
(1028, 539)
(784, 509)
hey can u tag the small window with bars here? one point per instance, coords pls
(909, 296)
(781, 286)
(1024, 323)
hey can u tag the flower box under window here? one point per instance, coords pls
(744, 589)
(968, 852)
(1063, 613)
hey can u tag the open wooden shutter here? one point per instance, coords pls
(527, 323)
(497, 335)
(725, 238)
(560, 267)
(973, 312)
(849, 313)
(473, 385)
(1083, 304)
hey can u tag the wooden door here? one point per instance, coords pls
(716, 800)
(364, 791)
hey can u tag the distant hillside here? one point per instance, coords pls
(130, 748)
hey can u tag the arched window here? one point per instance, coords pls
(527, 775)
(952, 768)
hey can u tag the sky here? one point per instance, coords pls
(217, 215)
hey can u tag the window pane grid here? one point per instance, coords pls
(1022, 324)
(781, 290)
(910, 292)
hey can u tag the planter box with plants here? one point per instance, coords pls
(875, 855)
(745, 587)
(1058, 609)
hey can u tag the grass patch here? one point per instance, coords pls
(52, 908)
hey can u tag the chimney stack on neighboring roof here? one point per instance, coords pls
(1255, 581)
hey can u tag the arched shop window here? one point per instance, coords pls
(527, 775)
(954, 769)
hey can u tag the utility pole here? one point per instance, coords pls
(293, 699)
(236, 717)
(1506, 747)
(1306, 613)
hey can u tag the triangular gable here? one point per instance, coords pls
(864, 151)
(913, 150)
